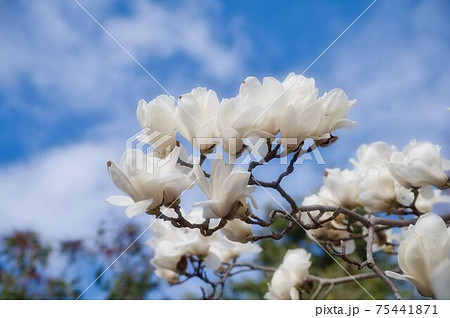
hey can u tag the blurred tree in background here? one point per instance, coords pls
(28, 270)
(32, 269)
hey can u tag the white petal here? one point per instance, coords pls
(121, 180)
(350, 246)
(212, 261)
(294, 293)
(441, 280)
(120, 200)
(238, 231)
(138, 208)
(445, 164)
(395, 275)
(201, 180)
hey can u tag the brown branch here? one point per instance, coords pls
(370, 263)
(181, 222)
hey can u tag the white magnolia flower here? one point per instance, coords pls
(333, 107)
(236, 121)
(301, 116)
(265, 99)
(196, 117)
(373, 154)
(158, 116)
(173, 245)
(339, 188)
(237, 231)
(255, 111)
(300, 87)
(308, 116)
(227, 250)
(440, 279)
(226, 189)
(425, 247)
(299, 120)
(377, 188)
(148, 181)
(420, 164)
(427, 198)
(169, 260)
(289, 277)
(185, 240)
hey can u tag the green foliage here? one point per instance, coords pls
(25, 271)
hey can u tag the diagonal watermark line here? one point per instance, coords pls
(313, 62)
(317, 242)
(106, 269)
(121, 46)
(132, 57)
(132, 243)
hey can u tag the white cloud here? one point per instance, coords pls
(59, 193)
(395, 62)
(54, 50)
(154, 30)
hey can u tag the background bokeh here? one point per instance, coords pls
(68, 92)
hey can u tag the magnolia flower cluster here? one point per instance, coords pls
(291, 109)
(382, 179)
(289, 277)
(226, 189)
(424, 256)
(173, 246)
(261, 109)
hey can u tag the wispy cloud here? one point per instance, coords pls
(62, 79)
(397, 65)
(156, 31)
(59, 193)
(73, 66)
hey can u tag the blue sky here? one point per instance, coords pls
(68, 93)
